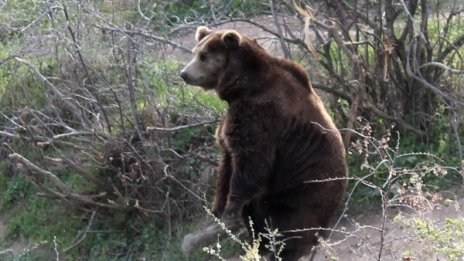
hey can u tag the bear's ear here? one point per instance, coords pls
(202, 31)
(231, 39)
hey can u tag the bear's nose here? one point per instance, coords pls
(184, 75)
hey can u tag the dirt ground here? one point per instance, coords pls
(361, 237)
(400, 241)
(16, 247)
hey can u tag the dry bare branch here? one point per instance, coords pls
(283, 45)
(115, 28)
(442, 66)
(47, 174)
(82, 234)
(66, 100)
(207, 235)
(9, 135)
(193, 125)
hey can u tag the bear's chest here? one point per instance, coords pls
(221, 134)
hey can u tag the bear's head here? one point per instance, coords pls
(217, 55)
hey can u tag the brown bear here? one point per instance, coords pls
(275, 137)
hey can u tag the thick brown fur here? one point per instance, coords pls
(275, 137)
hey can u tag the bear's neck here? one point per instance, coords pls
(248, 81)
(240, 86)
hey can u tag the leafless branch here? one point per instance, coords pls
(193, 125)
(47, 174)
(82, 234)
(434, 89)
(442, 66)
(66, 100)
(207, 235)
(9, 134)
(115, 28)
(284, 47)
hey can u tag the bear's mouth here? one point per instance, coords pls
(191, 81)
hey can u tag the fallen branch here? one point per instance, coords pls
(150, 129)
(65, 193)
(9, 134)
(47, 174)
(65, 135)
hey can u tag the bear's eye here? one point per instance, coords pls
(203, 57)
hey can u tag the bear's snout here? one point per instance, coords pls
(184, 75)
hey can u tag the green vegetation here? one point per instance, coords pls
(134, 146)
(445, 237)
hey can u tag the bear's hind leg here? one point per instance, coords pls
(292, 254)
(299, 233)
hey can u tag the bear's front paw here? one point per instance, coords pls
(217, 211)
(232, 210)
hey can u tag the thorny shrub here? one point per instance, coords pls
(401, 181)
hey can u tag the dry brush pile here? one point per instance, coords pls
(94, 116)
